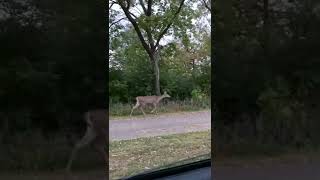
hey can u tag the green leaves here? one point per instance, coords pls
(166, 20)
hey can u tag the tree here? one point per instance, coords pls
(152, 26)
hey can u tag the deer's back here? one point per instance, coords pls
(147, 99)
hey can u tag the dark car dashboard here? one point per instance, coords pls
(200, 170)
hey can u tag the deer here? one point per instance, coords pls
(142, 101)
(95, 135)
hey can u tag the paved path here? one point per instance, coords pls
(156, 125)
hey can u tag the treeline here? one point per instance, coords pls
(267, 78)
(185, 67)
(162, 48)
(53, 64)
(180, 75)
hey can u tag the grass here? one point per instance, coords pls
(30, 152)
(129, 157)
(33, 155)
(112, 118)
(120, 109)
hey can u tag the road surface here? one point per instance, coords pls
(157, 125)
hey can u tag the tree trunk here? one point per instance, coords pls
(157, 76)
(155, 63)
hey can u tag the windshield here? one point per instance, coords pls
(159, 85)
(192, 163)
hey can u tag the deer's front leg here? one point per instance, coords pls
(155, 107)
(144, 114)
(134, 107)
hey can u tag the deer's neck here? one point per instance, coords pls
(160, 98)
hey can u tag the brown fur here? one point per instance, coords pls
(142, 101)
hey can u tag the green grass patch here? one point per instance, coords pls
(120, 109)
(129, 157)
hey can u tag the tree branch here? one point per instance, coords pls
(137, 29)
(169, 25)
(113, 23)
(149, 10)
(133, 15)
(138, 10)
(165, 3)
(112, 3)
(150, 39)
(128, 4)
(206, 5)
(143, 6)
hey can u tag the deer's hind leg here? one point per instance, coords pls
(144, 114)
(134, 107)
(89, 136)
(154, 109)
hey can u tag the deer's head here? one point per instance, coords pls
(165, 95)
